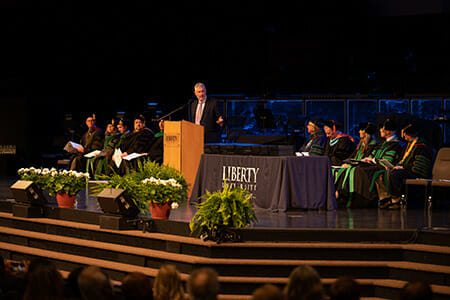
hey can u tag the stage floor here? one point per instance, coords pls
(302, 219)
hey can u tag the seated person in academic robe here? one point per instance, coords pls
(361, 190)
(339, 145)
(416, 162)
(343, 175)
(91, 140)
(122, 128)
(157, 148)
(315, 145)
(99, 163)
(139, 141)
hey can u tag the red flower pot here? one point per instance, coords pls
(160, 210)
(64, 200)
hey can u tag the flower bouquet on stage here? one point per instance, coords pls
(63, 184)
(152, 187)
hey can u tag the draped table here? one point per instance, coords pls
(278, 183)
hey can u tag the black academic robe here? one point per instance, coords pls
(362, 188)
(92, 140)
(316, 144)
(416, 161)
(339, 148)
(136, 142)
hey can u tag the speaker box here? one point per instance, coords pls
(117, 202)
(27, 192)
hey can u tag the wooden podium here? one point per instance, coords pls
(183, 148)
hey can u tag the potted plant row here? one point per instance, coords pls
(63, 184)
(153, 187)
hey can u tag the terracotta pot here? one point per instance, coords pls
(64, 200)
(160, 210)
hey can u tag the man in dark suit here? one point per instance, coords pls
(204, 112)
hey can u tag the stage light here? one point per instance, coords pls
(27, 192)
(117, 202)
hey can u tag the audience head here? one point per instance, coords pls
(94, 284)
(304, 284)
(139, 123)
(122, 126)
(203, 284)
(344, 288)
(137, 286)
(200, 91)
(387, 128)
(72, 288)
(43, 281)
(168, 284)
(416, 290)
(267, 292)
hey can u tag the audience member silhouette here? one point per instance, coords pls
(304, 284)
(43, 281)
(137, 286)
(168, 284)
(203, 284)
(267, 292)
(344, 288)
(95, 284)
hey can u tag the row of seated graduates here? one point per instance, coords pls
(117, 136)
(363, 173)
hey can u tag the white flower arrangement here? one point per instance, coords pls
(171, 182)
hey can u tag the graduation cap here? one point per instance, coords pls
(123, 122)
(388, 124)
(316, 121)
(332, 124)
(140, 117)
(411, 130)
(367, 127)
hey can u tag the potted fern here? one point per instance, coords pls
(221, 210)
(152, 187)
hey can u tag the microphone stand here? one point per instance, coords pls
(174, 111)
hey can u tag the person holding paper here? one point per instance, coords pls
(138, 142)
(317, 139)
(363, 188)
(345, 175)
(204, 112)
(416, 162)
(92, 140)
(99, 164)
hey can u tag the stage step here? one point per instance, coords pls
(229, 284)
(225, 266)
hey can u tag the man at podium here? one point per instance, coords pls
(204, 112)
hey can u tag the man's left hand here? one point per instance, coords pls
(220, 120)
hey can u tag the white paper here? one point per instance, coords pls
(73, 147)
(301, 153)
(133, 156)
(117, 157)
(92, 154)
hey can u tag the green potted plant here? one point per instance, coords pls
(222, 209)
(63, 184)
(152, 187)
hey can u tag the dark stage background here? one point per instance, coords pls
(57, 59)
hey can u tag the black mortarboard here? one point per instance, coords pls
(316, 121)
(140, 117)
(123, 122)
(388, 124)
(332, 124)
(367, 127)
(411, 129)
